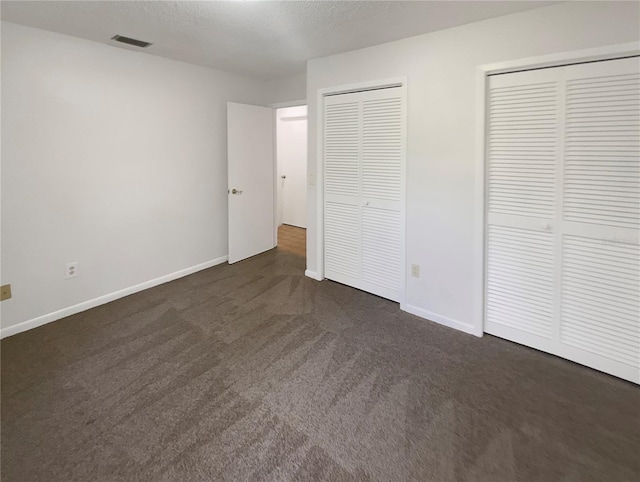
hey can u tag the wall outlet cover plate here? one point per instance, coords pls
(5, 292)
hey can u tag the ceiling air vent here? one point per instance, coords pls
(131, 41)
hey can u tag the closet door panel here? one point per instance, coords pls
(600, 280)
(364, 151)
(382, 186)
(342, 180)
(342, 147)
(381, 251)
(523, 121)
(563, 213)
(520, 281)
(600, 317)
(602, 144)
(382, 145)
(523, 152)
(342, 241)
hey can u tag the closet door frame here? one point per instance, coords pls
(481, 192)
(395, 82)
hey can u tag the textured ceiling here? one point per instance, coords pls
(265, 39)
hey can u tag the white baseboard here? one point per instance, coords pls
(101, 300)
(313, 275)
(442, 320)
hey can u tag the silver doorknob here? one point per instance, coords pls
(283, 176)
(236, 191)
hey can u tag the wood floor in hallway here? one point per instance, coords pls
(292, 239)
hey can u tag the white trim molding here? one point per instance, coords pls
(313, 275)
(101, 300)
(292, 103)
(553, 60)
(441, 320)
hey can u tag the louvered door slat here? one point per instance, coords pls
(593, 157)
(520, 279)
(522, 145)
(342, 239)
(615, 332)
(381, 239)
(382, 148)
(342, 145)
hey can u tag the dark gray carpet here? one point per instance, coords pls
(254, 372)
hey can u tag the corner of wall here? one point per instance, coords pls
(285, 89)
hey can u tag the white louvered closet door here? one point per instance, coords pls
(523, 157)
(600, 279)
(364, 151)
(563, 215)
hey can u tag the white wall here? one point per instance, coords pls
(112, 158)
(441, 71)
(287, 89)
(291, 155)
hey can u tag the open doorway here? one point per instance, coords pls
(291, 192)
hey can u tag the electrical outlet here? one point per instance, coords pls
(71, 270)
(415, 270)
(5, 292)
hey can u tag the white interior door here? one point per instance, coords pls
(292, 164)
(563, 217)
(250, 162)
(364, 161)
